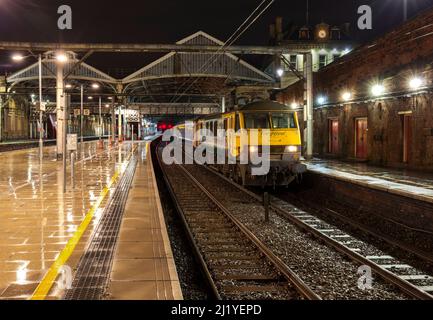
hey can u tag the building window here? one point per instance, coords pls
(304, 34)
(322, 60)
(335, 34)
(335, 56)
(294, 60)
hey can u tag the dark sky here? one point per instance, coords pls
(153, 21)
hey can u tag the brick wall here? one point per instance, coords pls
(391, 60)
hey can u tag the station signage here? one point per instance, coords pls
(72, 142)
(77, 112)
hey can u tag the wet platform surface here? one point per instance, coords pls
(412, 184)
(143, 267)
(38, 219)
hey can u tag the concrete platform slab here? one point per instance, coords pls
(143, 267)
(38, 219)
(399, 182)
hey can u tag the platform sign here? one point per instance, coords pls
(72, 142)
(87, 112)
(77, 112)
(42, 106)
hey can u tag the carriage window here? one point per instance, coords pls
(237, 123)
(256, 121)
(215, 128)
(283, 121)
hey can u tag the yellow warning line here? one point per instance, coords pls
(47, 282)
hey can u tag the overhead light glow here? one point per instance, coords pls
(415, 83)
(346, 96)
(95, 86)
(68, 86)
(294, 105)
(90, 98)
(17, 57)
(280, 72)
(107, 106)
(377, 90)
(321, 100)
(61, 57)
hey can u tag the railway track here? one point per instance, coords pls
(235, 262)
(409, 279)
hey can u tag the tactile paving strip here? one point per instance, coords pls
(93, 271)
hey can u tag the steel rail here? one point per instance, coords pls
(205, 270)
(379, 235)
(300, 286)
(288, 273)
(402, 284)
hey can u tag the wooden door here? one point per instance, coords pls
(333, 136)
(361, 127)
(407, 137)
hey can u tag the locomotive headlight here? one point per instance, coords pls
(291, 149)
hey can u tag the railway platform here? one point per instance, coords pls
(411, 184)
(143, 267)
(45, 233)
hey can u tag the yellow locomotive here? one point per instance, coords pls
(266, 118)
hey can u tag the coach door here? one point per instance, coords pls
(361, 131)
(333, 136)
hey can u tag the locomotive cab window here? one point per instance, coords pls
(283, 121)
(256, 120)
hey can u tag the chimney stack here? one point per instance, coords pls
(272, 31)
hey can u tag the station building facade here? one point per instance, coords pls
(327, 43)
(376, 103)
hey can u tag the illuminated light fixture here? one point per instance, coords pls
(291, 149)
(17, 57)
(95, 86)
(280, 72)
(107, 106)
(61, 57)
(377, 90)
(110, 98)
(68, 86)
(294, 105)
(90, 98)
(415, 83)
(321, 100)
(322, 34)
(253, 149)
(346, 96)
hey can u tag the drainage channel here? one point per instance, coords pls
(93, 271)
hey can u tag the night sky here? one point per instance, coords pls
(159, 21)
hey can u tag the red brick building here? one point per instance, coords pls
(376, 103)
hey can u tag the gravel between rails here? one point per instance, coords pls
(329, 274)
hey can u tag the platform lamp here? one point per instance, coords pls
(96, 86)
(19, 58)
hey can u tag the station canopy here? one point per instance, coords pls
(175, 78)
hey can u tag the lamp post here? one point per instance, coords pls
(41, 125)
(19, 58)
(81, 115)
(100, 122)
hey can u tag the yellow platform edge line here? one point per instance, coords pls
(47, 282)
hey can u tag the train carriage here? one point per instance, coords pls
(284, 142)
